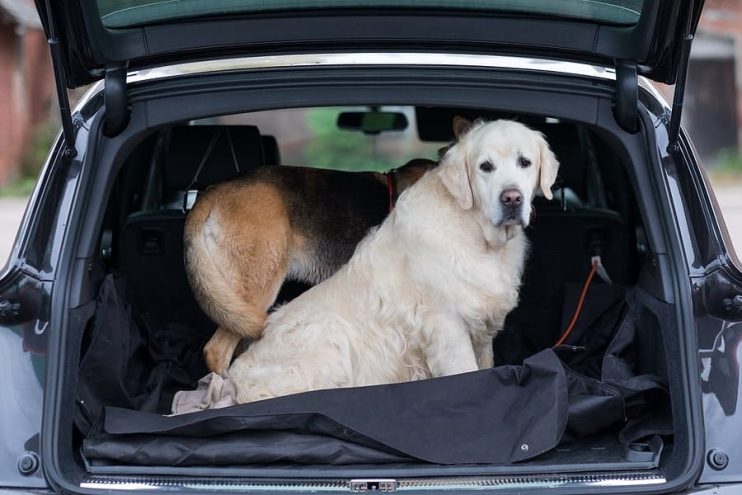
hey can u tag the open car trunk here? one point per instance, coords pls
(605, 407)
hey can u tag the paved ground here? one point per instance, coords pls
(730, 199)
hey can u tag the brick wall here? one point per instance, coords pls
(38, 76)
(10, 128)
(26, 92)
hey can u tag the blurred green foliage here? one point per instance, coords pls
(354, 151)
(39, 148)
(342, 150)
(729, 161)
(18, 188)
(726, 168)
(33, 160)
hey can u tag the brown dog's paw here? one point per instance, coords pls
(216, 359)
(219, 350)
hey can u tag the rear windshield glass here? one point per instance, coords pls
(312, 137)
(125, 13)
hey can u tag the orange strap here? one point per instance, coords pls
(580, 303)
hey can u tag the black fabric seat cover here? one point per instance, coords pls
(544, 310)
(234, 449)
(449, 420)
(126, 363)
(502, 415)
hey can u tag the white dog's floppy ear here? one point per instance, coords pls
(549, 168)
(461, 126)
(454, 174)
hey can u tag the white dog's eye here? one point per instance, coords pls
(524, 162)
(486, 166)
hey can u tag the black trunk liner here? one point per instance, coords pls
(600, 404)
(594, 454)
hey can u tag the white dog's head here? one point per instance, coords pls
(497, 167)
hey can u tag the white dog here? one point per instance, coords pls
(425, 293)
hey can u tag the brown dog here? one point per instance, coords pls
(244, 237)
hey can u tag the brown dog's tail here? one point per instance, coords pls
(214, 276)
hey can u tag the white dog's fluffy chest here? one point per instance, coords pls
(472, 266)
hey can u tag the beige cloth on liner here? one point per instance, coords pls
(213, 391)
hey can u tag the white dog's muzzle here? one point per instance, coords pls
(512, 209)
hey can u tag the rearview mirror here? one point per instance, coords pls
(372, 122)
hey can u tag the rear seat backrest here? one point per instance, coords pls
(221, 152)
(151, 244)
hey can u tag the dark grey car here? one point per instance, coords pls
(98, 326)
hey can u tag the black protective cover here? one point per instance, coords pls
(497, 416)
(449, 420)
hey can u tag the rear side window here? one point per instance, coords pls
(126, 13)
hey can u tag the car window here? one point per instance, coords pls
(310, 137)
(125, 13)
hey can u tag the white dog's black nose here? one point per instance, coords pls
(511, 197)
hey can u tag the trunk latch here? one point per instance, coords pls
(373, 485)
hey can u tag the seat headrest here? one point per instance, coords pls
(271, 151)
(187, 146)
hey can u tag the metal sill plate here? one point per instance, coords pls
(188, 484)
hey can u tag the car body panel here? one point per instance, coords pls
(29, 276)
(26, 287)
(715, 278)
(717, 283)
(653, 43)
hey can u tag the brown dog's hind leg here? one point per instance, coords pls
(219, 350)
(237, 259)
(257, 295)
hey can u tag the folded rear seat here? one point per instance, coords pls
(151, 244)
